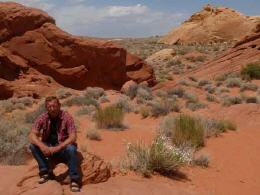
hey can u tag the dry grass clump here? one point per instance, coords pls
(63, 93)
(163, 106)
(131, 90)
(80, 101)
(211, 98)
(30, 117)
(202, 160)
(86, 110)
(251, 71)
(145, 111)
(233, 82)
(179, 92)
(209, 88)
(193, 106)
(13, 140)
(143, 95)
(192, 78)
(15, 104)
(109, 117)
(157, 157)
(93, 134)
(231, 100)
(204, 82)
(248, 86)
(253, 100)
(94, 92)
(124, 103)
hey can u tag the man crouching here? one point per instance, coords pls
(58, 140)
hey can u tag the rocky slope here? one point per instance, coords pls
(212, 25)
(35, 52)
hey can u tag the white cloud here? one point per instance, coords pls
(77, 17)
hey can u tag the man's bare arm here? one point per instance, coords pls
(34, 139)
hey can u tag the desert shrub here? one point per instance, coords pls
(204, 82)
(163, 107)
(30, 117)
(131, 91)
(214, 127)
(157, 157)
(209, 88)
(251, 71)
(193, 79)
(93, 92)
(62, 93)
(188, 129)
(196, 59)
(176, 91)
(211, 98)
(109, 117)
(26, 101)
(161, 93)
(80, 101)
(251, 100)
(93, 134)
(195, 105)
(123, 102)
(144, 111)
(231, 100)
(233, 82)
(191, 97)
(248, 86)
(225, 76)
(16, 103)
(86, 110)
(143, 95)
(221, 90)
(13, 141)
(183, 82)
(202, 160)
(103, 99)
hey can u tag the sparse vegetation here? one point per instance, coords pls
(233, 82)
(163, 107)
(176, 91)
(94, 92)
(93, 134)
(30, 117)
(202, 160)
(248, 86)
(109, 117)
(86, 110)
(231, 100)
(251, 71)
(204, 82)
(80, 101)
(144, 111)
(143, 95)
(62, 93)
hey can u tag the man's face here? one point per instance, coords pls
(53, 108)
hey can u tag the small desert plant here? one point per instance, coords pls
(248, 86)
(211, 89)
(231, 100)
(93, 134)
(202, 160)
(30, 117)
(221, 90)
(233, 82)
(131, 90)
(109, 117)
(251, 100)
(123, 102)
(176, 91)
(86, 110)
(94, 92)
(144, 111)
(195, 105)
(143, 95)
(188, 129)
(191, 97)
(211, 98)
(62, 93)
(163, 107)
(251, 71)
(194, 79)
(80, 101)
(183, 82)
(157, 157)
(204, 82)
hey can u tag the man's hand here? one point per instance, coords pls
(45, 150)
(54, 149)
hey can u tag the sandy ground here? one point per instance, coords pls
(234, 160)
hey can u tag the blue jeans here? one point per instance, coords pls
(68, 155)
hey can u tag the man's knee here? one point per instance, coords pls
(71, 148)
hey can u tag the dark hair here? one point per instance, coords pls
(50, 98)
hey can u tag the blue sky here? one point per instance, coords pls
(125, 18)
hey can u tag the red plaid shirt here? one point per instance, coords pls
(65, 126)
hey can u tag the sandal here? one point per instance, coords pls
(43, 178)
(74, 187)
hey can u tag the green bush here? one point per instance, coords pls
(109, 117)
(188, 129)
(251, 71)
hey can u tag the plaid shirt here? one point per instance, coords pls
(65, 126)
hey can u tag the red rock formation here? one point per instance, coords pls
(31, 42)
(212, 25)
(245, 51)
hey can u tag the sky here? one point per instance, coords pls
(125, 18)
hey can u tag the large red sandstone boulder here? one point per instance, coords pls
(31, 43)
(212, 24)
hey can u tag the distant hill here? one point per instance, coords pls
(212, 24)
